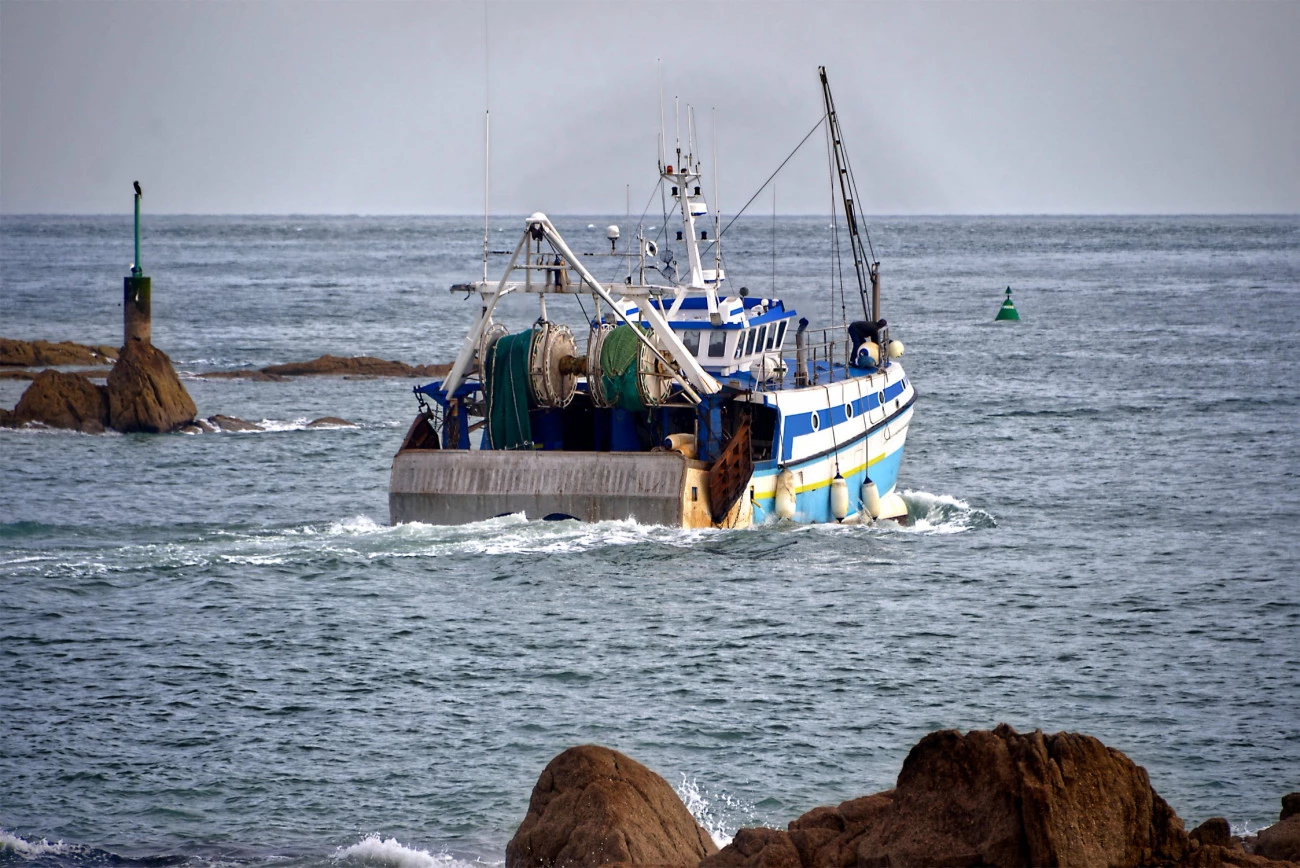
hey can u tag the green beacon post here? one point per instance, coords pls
(136, 318)
(1008, 310)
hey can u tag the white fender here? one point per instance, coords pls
(839, 498)
(785, 494)
(871, 499)
(893, 506)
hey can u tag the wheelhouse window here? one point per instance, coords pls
(749, 341)
(691, 338)
(762, 339)
(717, 344)
(779, 334)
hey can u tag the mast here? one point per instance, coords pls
(865, 267)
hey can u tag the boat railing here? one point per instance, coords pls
(821, 356)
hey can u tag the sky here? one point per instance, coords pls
(378, 107)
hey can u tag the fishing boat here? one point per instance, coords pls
(689, 403)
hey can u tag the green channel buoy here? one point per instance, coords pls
(1008, 309)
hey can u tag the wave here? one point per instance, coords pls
(391, 853)
(12, 844)
(943, 513)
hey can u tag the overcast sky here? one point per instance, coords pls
(377, 107)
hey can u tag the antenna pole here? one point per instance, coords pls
(487, 138)
(663, 145)
(717, 207)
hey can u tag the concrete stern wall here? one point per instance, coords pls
(452, 486)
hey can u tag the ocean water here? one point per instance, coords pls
(214, 649)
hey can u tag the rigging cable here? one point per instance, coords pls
(773, 175)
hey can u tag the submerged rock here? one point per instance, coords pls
(62, 400)
(330, 422)
(257, 376)
(364, 366)
(144, 393)
(595, 806)
(231, 423)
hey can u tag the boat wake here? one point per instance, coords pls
(942, 513)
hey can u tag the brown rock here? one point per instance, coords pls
(231, 423)
(330, 422)
(62, 400)
(595, 806)
(1281, 840)
(1214, 831)
(144, 393)
(363, 366)
(830, 836)
(1290, 806)
(32, 354)
(999, 798)
(1002, 798)
(756, 848)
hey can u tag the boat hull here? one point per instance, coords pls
(456, 486)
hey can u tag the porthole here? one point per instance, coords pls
(880, 399)
(816, 421)
(848, 410)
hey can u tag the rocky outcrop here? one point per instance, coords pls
(595, 806)
(62, 400)
(1214, 831)
(1282, 839)
(997, 798)
(357, 366)
(758, 848)
(330, 422)
(1003, 798)
(144, 393)
(35, 354)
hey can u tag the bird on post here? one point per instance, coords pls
(138, 192)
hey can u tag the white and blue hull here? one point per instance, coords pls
(863, 441)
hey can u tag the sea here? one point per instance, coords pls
(216, 651)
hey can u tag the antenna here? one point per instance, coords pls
(487, 138)
(662, 145)
(677, 112)
(717, 207)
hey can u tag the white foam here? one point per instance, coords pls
(373, 850)
(358, 524)
(11, 843)
(942, 513)
(720, 814)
